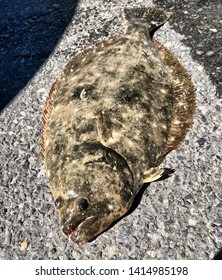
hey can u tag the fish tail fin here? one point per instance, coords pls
(145, 19)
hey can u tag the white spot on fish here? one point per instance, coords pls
(130, 143)
(177, 122)
(180, 104)
(71, 194)
(110, 206)
(163, 91)
(46, 143)
(83, 94)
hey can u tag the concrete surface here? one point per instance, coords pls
(177, 218)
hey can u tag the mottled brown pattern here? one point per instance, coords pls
(111, 117)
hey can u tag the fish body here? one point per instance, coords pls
(111, 117)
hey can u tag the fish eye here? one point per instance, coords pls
(82, 205)
(59, 202)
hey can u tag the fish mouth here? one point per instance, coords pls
(73, 229)
(74, 232)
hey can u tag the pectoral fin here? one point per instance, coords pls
(104, 126)
(156, 173)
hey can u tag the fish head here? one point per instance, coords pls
(97, 189)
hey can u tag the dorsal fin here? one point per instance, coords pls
(46, 112)
(184, 102)
(145, 19)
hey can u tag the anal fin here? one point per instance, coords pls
(184, 102)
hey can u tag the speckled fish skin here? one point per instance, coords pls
(110, 119)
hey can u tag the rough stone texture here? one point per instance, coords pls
(177, 218)
(200, 23)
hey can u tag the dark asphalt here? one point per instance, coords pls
(28, 35)
(200, 22)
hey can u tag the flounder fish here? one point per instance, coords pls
(111, 117)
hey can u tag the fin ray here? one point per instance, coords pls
(152, 174)
(184, 102)
(46, 112)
